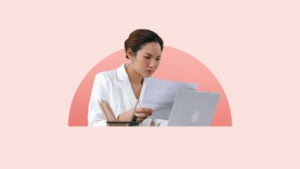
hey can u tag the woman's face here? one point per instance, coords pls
(147, 59)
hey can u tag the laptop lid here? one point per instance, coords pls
(193, 108)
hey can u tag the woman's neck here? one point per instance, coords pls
(133, 76)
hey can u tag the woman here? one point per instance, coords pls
(122, 87)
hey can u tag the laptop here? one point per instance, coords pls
(193, 108)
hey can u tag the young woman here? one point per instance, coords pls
(122, 87)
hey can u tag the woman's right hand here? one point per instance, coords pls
(141, 112)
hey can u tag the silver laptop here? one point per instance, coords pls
(193, 108)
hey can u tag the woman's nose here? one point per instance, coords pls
(152, 63)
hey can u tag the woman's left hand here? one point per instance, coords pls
(142, 113)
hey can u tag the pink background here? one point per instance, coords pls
(175, 65)
(251, 47)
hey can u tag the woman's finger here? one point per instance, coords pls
(143, 110)
(143, 114)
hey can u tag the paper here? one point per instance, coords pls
(160, 95)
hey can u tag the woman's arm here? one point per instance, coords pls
(99, 92)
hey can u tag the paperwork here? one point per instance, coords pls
(160, 94)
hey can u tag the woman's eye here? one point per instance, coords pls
(147, 57)
(158, 59)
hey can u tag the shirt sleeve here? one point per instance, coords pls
(99, 92)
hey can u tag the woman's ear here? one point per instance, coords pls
(130, 54)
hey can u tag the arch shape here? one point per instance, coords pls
(175, 65)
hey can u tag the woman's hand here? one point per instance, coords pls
(141, 112)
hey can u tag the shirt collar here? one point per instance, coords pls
(121, 73)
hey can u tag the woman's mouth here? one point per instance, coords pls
(149, 71)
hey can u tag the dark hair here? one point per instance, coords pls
(140, 37)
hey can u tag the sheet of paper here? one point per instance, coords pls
(160, 94)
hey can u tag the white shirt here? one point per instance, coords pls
(114, 87)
